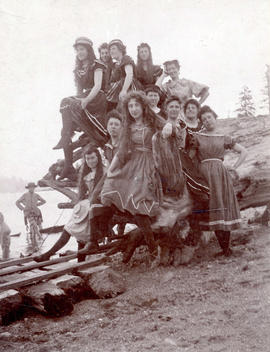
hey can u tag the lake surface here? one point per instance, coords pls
(51, 216)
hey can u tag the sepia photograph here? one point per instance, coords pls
(135, 175)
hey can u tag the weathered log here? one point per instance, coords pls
(73, 286)
(107, 283)
(52, 229)
(10, 306)
(47, 298)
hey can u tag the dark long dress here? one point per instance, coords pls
(223, 211)
(118, 75)
(92, 119)
(145, 78)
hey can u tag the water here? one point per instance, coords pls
(51, 216)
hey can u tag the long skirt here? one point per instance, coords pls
(116, 87)
(92, 120)
(223, 212)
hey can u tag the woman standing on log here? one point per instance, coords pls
(147, 72)
(122, 75)
(132, 184)
(78, 226)
(87, 110)
(210, 144)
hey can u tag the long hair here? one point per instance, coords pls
(141, 74)
(85, 169)
(79, 65)
(149, 118)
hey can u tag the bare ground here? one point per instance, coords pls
(209, 305)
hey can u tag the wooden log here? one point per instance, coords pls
(47, 298)
(17, 283)
(107, 283)
(10, 306)
(73, 286)
(11, 262)
(52, 229)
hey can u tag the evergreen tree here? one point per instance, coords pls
(246, 104)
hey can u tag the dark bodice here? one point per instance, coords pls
(118, 70)
(85, 77)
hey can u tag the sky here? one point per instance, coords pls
(224, 44)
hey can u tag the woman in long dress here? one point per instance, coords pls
(210, 144)
(133, 184)
(147, 72)
(78, 226)
(87, 109)
(123, 74)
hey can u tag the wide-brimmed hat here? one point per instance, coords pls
(80, 211)
(31, 185)
(83, 41)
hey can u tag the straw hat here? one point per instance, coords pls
(80, 211)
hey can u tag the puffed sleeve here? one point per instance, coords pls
(99, 65)
(197, 88)
(229, 142)
(127, 60)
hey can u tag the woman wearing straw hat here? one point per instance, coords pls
(91, 173)
(86, 110)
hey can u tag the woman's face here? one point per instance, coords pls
(82, 53)
(209, 121)
(115, 52)
(172, 70)
(153, 98)
(173, 110)
(91, 160)
(114, 127)
(144, 53)
(135, 109)
(191, 112)
(104, 55)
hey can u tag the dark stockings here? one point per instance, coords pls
(144, 223)
(223, 238)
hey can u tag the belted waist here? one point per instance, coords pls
(212, 159)
(143, 149)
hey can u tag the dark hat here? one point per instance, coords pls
(80, 211)
(83, 41)
(31, 185)
(153, 88)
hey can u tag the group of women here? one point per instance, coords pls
(157, 150)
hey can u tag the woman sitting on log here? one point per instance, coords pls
(87, 110)
(209, 147)
(78, 226)
(123, 74)
(147, 72)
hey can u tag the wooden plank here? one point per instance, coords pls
(46, 276)
(36, 265)
(11, 262)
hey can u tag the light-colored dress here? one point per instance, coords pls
(184, 89)
(135, 187)
(81, 230)
(223, 213)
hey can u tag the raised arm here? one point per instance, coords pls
(204, 95)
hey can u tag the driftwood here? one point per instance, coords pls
(52, 229)
(10, 306)
(47, 298)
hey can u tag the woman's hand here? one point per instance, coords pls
(167, 130)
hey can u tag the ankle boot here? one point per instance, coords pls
(68, 171)
(64, 141)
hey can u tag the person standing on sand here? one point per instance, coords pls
(29, 203)
(4, 237)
